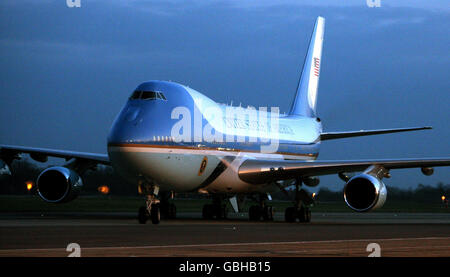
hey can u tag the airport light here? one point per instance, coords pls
(443, 198)
(103, 189)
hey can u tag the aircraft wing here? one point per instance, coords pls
(360, 133)
(264, 171)
(10, 152)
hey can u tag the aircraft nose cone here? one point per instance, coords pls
(132, 113)
(127, 126)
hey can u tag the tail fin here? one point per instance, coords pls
(305, 99)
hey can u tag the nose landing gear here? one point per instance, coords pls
(155, 208)
(151, 210)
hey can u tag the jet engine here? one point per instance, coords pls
(364, 193)
(58, 184)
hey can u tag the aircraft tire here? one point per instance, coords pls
(290, 214)
(155, 214)
(143, 215)
(207, 212)
(172, 213)
(304, 215)
(221, 212)
(254, 213)
(268, 213)
(307, 214)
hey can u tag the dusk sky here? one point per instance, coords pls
(66, 72)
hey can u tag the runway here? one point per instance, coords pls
(329, 235)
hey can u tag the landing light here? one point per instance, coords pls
(29, 185)
(103, 189)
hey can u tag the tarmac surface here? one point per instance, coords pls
(329, 235)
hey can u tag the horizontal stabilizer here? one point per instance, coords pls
(360, 133)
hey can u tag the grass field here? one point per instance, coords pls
(19, 204)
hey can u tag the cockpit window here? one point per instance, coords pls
(147, 95)
(136, 94)
(162, 96)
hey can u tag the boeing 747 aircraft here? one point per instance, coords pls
(170, 138)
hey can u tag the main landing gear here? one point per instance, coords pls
(155, 208)
(262, 210)
(218, 209)
(300, 210)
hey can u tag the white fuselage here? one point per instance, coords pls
(195, 144)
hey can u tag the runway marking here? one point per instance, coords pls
(232, 244)
(384, 249)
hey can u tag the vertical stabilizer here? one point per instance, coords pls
(305, 99)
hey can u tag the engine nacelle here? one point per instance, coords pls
(311, 181)
(364, 193)
(58, 184)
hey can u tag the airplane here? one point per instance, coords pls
(170, 138)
